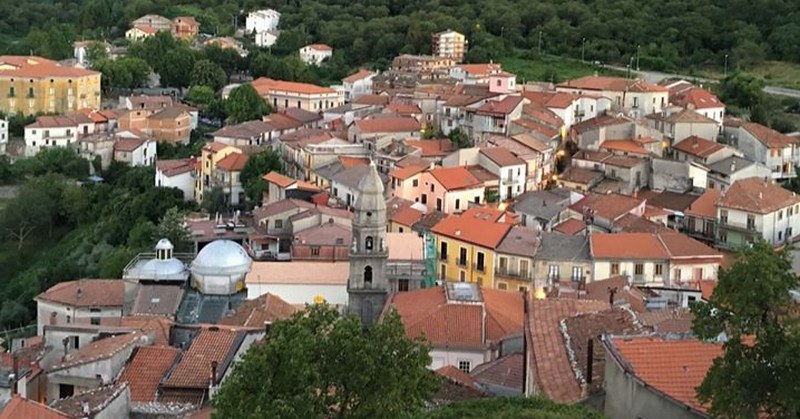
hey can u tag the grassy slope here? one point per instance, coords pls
(539, 69)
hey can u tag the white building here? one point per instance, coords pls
(88, 301)
(3, 136)
(315, 53)
(135, 151)
(357, 84)
(262, 21)
(80, 50)
(56, 131)
(266, 39)
(754, 207)
(636, 97)
(177, 174)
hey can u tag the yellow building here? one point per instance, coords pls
(212, 153)
(32, 85)
(466, 244)
(450, 44)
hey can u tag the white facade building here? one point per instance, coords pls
(266, 39)
(55, 131)
(176, 174)
(262, 21)
(315, 53)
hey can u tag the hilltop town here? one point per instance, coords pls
(546, 238)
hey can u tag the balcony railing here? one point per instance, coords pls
(513, 273)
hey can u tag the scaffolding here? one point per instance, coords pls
(430, 261)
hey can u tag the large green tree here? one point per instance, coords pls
(753, 309)
(207, 73)
(257, 166)
(244, 104)
(173, 228)
(319, 364)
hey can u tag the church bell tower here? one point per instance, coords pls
(367, 287)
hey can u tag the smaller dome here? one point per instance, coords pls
(164, 244)
(162, 269)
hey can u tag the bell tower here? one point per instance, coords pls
(367, 287)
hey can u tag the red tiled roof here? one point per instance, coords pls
(278, 179)
(706, 205)
(194, 369)
(377, 125)
(174, 167)
(534, 126)
(432, 148)
(257, 312)
(215, 146)
(19, 407)
(372, 99)
(407, 216)
(454, 324)
(675, 367)
(697, 98)
(541, 113)
(264, 85)
(599, 121)
(625, 146)
(159, 327)
(768, 136)
(348, 162)
(758, 196)
(146, 369)
(572, 226)
(358, 75)
(697, 146)
(476, 225)
(504, 372)
(581, 175)
(501, 156)
(87, 293)
(549, 358)
(404, 108)
(480, 70)
(320, 47)
(615, 84)
(38, 68)
(128, 144)
(456, 375)
(609, 206)
(233, 162)
(682, 246)
(454, 178)
(500, 107)
(618, 246)
(406, 172)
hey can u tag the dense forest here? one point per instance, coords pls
(669, 34)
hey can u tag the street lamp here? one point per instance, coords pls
(637, 57)
(725, 74)
(583, 50)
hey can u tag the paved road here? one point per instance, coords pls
(655, 77)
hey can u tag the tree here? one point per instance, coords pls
(200, 95)
(96, 51)
(173, 228)
(257, 166)
(743, 90)
(459, 138)
(123, 73)
(214, 201)
(178, 63)
(509, 408)
(244, 104)
(31, 210)
(754, 311)
(207, 73)
(318, 364)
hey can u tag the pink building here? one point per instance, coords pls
(502, 83)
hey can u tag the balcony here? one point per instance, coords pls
(513, 273)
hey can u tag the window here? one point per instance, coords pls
(315, 251)
(480, 264)
(477, 200)
(698, 273)
(279, 224)
(615, 269)
(462, 276)
(462, 256)
(751, 222)
(499, 83)
(659, 269)
(433, 187)
(553, 272)
(368, 276)
(368, 244)
(780, 215)
(11, 91)
(424, 199)
(458, 204)
(464, 366)
(442, 272)
(523, 268)
(438, 204)
(69, 319)
(677, 274)
(402, 285)
(723, 216)
(523, 288)
(577, 273)
(638, 269)
(780, 235)
(443, 250)
(415, 183)
(502, 286)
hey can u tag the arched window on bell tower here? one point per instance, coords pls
(368, 243)
(368, 276)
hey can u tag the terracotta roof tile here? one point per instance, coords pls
(264, 85)
(667, 321)
(682, 246)
(19, 407)
(625, 146)
(534, 126)
(372, 99)
(456, 375)
(675, 367)
(87, 293)
(480, 70)
(549, 359)
(358, 75)
(506, 372)
(38, 67)
(581, 175)
(233, 162)
(194, 368)
(407, 216)
(454, 178)
(614, 84)
(608, 206)
(320, 47)
(97, 399)
(757, 196)
(769, 136)
(215, 146)
(500, 107)
(378, 125)
(697, 98)
(403, 109)
(697, 146)
(156, 326)
(625, 161)
(617, 246)
(128, 144)
(572, 226)
(406, 172)
(599, 121)
(472, 227)
(257, 312)
(348, 162)
(278, 179)
(501, 156)
(148, 365)
(432, 148)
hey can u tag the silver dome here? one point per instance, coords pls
(164, 244)
(161, 269)
(221, 257)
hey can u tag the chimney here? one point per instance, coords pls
(214, 365)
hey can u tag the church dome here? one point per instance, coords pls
(162, 269)
(220, 268)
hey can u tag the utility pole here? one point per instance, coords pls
(540, 42)
(583, 50)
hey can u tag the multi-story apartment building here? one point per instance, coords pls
(285, 94)
(206, 177)
(450, 44)
(262, 21)
(31, 85)
(779, 152)
(753, 208)
(56, 131)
